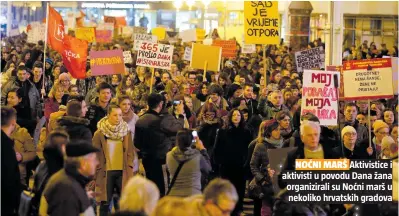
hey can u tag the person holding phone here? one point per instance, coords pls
(190, 151)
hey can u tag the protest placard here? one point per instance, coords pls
(37, 32)
(248, 48)
(192, 35)
(139, 38)
(160, 32)
(139, 30)
(71, 20)
(155, 55)
(105, 26)
(261, 22)
(229, 47)
(187, 54)
(127, 57)
(341, 79)
(107, 62)
(395, 72)
(319, 96)
(310, 59)
(200, 54)
(368, 79)
(85, 33)
(103, 36)
(127, 31)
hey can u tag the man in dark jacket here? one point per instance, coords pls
(350, 112)
(98, 106)
(252, 104)
(65, 192)
(149, 138)
(10, 177)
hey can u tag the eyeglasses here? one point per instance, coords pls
(209, 114)
(224, 211)
(350, 134)
(383, 133)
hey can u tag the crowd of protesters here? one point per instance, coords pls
(89, 142)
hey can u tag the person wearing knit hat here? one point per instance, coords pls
(381, 130)
(349, 149)
(48, 67)
(65, 190)
(388, 148)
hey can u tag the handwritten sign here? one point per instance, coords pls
(261, 22)
(319, 96)
(229, 47)
(341, 78)
(85, 33)
(204, 53)
(138, 38)
(248, 48)
(127, 57)
(103, 36)
(106, 62)
(309, 59)
(160, 32)
(187, 54)
(37, 32)
(155, 55)
(139, 30)
(368, 79)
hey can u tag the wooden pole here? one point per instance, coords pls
(152, 79)
(205, 67)
(264, 65)
(42, 92)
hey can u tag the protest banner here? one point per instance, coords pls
(319, 96)
(139, 30)
(202, 55)
(368, 79)
(155, 55)
(160, 32)
(127, 57)
(36, 33)
(187, 54)
(172, 36)
(103, 36)
(14, 31)
(341, 79)
(192, 35)
(229, 47)
(86, 33)
(248, 48)
(106, 62)
(261, 22)
(310, 59)
(127, 31)
(138, 38)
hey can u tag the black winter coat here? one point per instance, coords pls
(76, 127)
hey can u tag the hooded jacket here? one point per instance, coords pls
(76, 127)
(94, 114)
(188, 181)
(267, 110)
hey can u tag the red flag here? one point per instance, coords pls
(120, 21)
(74, 56)
(55, 31)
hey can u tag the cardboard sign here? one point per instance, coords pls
(107, 62)
(187, 54)
(309, 59)
(139, 30)
(319, 96)
(248, 48)
(192, 35)
(85, 33)
(204, 53)
(139, 38)
(341, 79)
(103, 36)
(127, 31)
(155, 55)
(368, 79)
(159, 32)
(105, 26)
(127, 57)
(229, 47)
(37, 32)
(261, 22)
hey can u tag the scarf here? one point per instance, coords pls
(128, 116)
(114, 132)
(275, 143)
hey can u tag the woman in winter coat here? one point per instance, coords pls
(270, 139)
(196, 162)
(116, 156)
(24, 116)
(52, 103)
(231, 153)
(284, 120)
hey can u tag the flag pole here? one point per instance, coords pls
(45, 48)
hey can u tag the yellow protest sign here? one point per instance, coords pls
(261, 22)
(200, 34)
(204, 53)
(85, 33)
(159, 32)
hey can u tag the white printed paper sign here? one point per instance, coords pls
(36, 32)
(187, 54)
(155, 55)
(319, 96)
(248, 48)
(309, 59)
(127, 57)
(138, 38)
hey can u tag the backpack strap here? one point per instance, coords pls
(172, 182)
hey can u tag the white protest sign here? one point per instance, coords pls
(368, 79)
(71, 20)
(138, 38)
(187, 54)
(36, 32)
(309, 59)
(248, 48)
(139, 30)
(319, 96)
(127, 31)
(155, 55)
(127, 57)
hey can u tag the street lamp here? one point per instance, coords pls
(190, 3)
(206, 3)
(178, 4)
